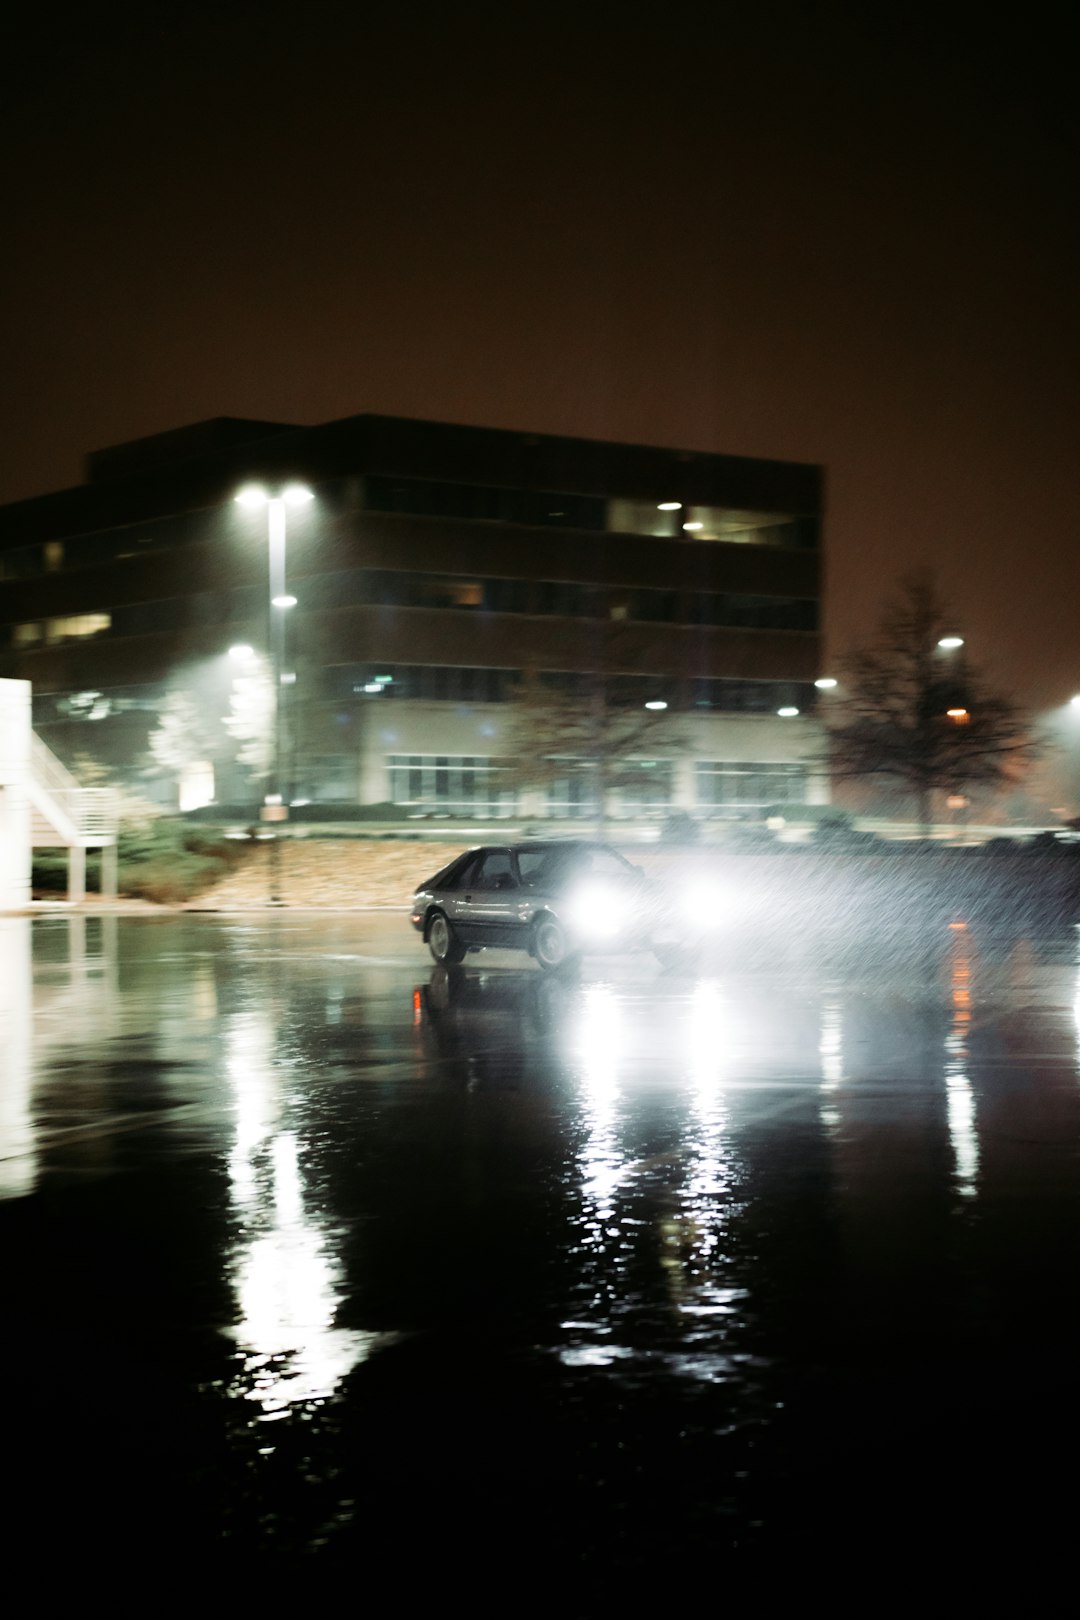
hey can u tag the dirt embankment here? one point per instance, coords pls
(336, 873)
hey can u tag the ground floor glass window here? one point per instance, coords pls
(725, 786)
(454, 784)
(571, 794)
(646, 787)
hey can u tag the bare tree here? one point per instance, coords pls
(926, 718)
(557, 732)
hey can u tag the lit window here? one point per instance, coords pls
(77, 624)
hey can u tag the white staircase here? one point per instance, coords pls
(63, 814)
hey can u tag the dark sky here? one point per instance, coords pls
(827, 233)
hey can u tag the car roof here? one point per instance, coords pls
(541, 844)
(537, 845)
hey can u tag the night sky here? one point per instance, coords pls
(825, 233)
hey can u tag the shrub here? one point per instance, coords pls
(680, 828)
(161, 859)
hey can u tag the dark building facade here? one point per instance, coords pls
(436, 568)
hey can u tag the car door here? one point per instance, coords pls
(457, 901)
(493, 901)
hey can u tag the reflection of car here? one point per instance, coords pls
(556, 899)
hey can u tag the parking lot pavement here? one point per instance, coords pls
(305, 1238)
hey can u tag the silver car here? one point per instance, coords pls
(556, 899)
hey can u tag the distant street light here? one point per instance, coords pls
(252, 497)
(242, 653)
(825, 683)
(656, 703)
(950, 643)
(788, 712)
(1074, 702)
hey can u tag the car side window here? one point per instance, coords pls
(495, 872)
(467, 875)
(534, 866)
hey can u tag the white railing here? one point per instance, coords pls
(91, 814)
(47, 770)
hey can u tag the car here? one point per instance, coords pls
(557, 899)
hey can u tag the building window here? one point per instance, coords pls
(724, 787)
(75, 625)
(671, 520)
(450, 784)
(483, 503)
(731, 696)
(430, 683)
(646, 788)
(571, 795)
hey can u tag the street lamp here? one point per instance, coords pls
(950, 643)
(252, 497)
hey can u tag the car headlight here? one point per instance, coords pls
(704, 904)
(597, 911)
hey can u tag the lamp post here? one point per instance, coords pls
(254, 496)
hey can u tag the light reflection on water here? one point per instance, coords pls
(18, 1155)
(288, 1283)
(831, 1053)
(696, 1276)
(960, 1100)
(691, 1192)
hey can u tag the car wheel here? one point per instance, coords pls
(443, 943)
(550, 946)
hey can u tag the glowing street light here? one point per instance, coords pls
(950, 643)
(825, 683)
(1074, 702)
(242, 653)
(669, 506)
(656, 703)
(788, 712)
(252, 497)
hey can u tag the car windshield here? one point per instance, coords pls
(543, 868)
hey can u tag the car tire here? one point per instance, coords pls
(550, 945)
(443, 943)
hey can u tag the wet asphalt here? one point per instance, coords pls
(490, 1282)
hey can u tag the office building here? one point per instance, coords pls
(438, 571)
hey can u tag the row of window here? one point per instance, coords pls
(463, 785)
(454, 684)
(731, 610)
(665, 519)
(430, 498)
(562, 598)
